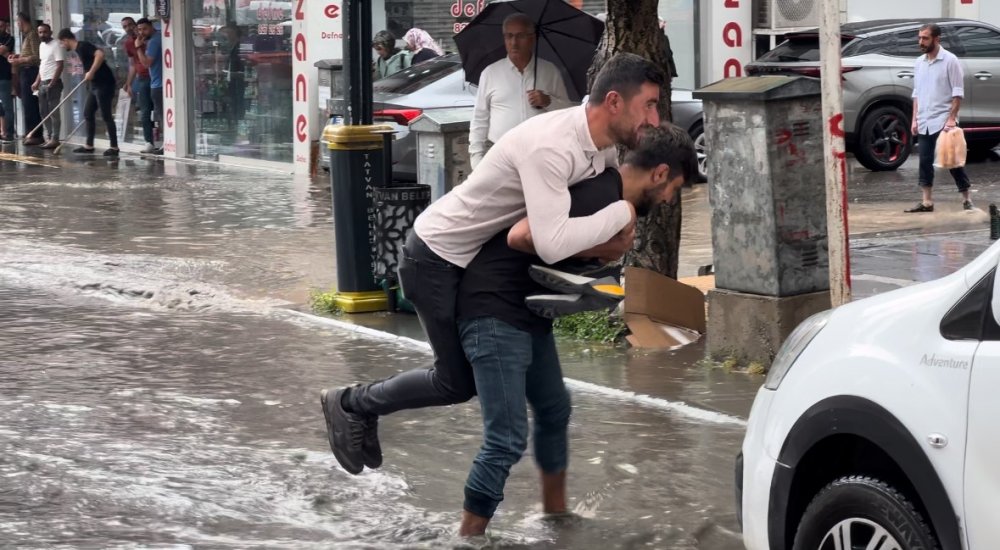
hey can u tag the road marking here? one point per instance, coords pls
(659, 403)
(23, 159)
(885, 280)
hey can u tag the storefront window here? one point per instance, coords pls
(242, 75)
(679, 16)
(99, 22)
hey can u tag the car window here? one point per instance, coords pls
(416, 77)
(979, 41)
(904, 44)
(880, 43)
(796, 48)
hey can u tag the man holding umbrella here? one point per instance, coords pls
(514, 88)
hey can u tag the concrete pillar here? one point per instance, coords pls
(769, 231)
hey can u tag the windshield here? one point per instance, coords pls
(416, 77)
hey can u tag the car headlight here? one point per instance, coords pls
(793, 347)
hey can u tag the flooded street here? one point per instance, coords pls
(157, 391)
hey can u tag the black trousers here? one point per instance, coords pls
(29, 101)
(101, 95)
(431, 284)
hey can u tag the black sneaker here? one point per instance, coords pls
(967, 206)
(370, 448)
(920, 207)
(111, 153)
(84, 150)
(345, 432)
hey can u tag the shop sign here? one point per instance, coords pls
(168, 128)
(163, 9)
(728, 45)
(466, 9)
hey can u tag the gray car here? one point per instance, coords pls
(440, 84)
(878, 61)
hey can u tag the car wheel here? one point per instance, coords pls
(884, 141)
(698, 137)
(861, 512)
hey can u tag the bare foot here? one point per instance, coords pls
(554, 493)
(472, 525)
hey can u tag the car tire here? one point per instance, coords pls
(865, 509)
(697, 134)
(884, 142)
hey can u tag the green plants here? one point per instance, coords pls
(324, 303)
(591, 326)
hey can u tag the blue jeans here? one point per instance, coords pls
(513, 369)
(142, 93)
(9, 113)
(928, 144)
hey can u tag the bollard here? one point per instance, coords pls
(994, 222)
(356, 169)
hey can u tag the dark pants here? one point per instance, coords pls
(142, 94)
(29, 101)
(9, 113)
(514, 369)
(49, 96)
(431, 283)
(101, 95)
(157, 96)
(928, 144)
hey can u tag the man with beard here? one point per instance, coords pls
(49, 84)
(528, 172)
(938, 89)
(513, 351)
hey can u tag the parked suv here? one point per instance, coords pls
(878, 61)
(877, 424)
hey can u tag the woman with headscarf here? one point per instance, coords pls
(421, 45)
(390, 58)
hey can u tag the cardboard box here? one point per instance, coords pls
(661, 312)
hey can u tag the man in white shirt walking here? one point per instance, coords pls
(938, 89)
(49, 84)
(565, 147)
(511, 90)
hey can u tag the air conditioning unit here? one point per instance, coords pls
(787, 14)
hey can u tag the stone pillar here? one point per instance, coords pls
(767, 196)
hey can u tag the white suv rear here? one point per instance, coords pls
(877, 425)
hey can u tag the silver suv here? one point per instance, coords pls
(878, 61)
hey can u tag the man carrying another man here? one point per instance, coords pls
(567, 146)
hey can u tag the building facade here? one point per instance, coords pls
(241, 86)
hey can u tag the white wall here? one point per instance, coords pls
(866, 10)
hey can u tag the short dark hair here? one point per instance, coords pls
(5, 20)
(668, 144)
(624, 73)
(128, 18)
(934, 28)
(66, 34)
(46, 25)
(22, 16)
(144, 21)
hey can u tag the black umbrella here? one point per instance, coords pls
(566, 36)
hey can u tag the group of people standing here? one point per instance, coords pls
(35, 76)
(420, 47)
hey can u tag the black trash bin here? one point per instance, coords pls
(396, 208)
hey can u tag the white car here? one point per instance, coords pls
(877, 425)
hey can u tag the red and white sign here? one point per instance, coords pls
(167, 127)
(317, 33)
(728, 44)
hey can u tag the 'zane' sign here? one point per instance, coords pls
(317, 33)
(728, 43)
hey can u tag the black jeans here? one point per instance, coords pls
(431, 283)
(101, 95)
(157, 96)
(928, 144)
(29, 101)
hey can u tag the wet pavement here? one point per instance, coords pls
(158, 389)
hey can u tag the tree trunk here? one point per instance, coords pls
(633, 27)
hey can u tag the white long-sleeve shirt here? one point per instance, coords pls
(528, 172)
(502, 100)
(935, 84)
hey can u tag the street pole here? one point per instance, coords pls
(834, 154)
